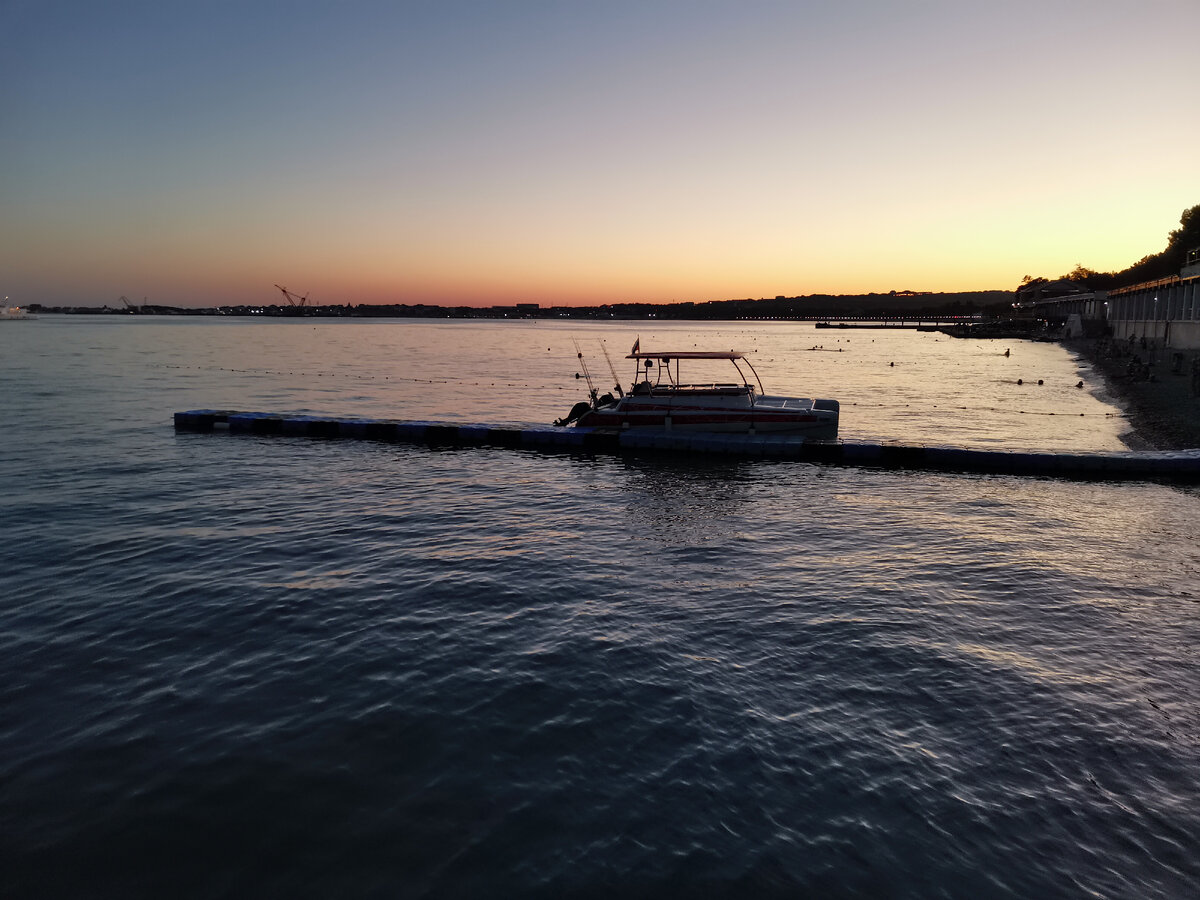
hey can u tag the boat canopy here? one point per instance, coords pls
(687, 354)
(666, 357)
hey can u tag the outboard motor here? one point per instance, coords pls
(576, 411)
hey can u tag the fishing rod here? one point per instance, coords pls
(613, 369)
(592, 392)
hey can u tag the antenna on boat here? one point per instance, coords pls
(586, 374)
(613, 369)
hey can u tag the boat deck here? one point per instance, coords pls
(783, 403)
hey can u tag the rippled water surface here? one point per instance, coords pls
(276, 667)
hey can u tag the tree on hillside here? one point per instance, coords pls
(1168, 262)
(1163, 264)
(1187, 236)
(1097, 281)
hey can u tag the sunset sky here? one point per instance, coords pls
(195, 153)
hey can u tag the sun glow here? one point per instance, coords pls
(603, 156)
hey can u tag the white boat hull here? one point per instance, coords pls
(767, 415)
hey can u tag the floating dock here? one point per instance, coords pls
(1181, 465)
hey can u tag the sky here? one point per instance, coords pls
(575, 153)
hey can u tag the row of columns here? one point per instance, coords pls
(1178, 302)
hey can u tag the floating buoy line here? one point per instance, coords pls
(1113, 465)
(354, 377)
(998, 409)
(543, 387)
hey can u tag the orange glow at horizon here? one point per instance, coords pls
(602, 156)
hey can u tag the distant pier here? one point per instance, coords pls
(920, 323)
(1123, 465)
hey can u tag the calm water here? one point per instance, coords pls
(273, 667)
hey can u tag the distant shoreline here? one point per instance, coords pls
(803, 308)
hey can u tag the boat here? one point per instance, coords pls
(12, 313)
(658, 398)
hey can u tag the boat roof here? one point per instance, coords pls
(686, 354)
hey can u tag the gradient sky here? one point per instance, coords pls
(195, 153)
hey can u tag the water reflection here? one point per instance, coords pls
(683, 502)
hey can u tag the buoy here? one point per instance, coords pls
(1006, 352)
(1019, 380)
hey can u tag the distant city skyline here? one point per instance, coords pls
(465, 153)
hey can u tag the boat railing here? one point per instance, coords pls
(720, 387)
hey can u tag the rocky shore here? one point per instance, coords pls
(1158, 389)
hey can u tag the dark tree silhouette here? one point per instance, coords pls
(1163, 264)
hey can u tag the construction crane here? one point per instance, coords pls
(293, 299)
(131, 307)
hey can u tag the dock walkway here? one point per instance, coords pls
(1181, 465)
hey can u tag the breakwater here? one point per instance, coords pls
(1129, 465)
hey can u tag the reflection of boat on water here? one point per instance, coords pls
(659, 398)
(13, 313)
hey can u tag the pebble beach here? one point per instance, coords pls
(1158, 388)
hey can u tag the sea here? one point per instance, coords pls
(263, 666)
